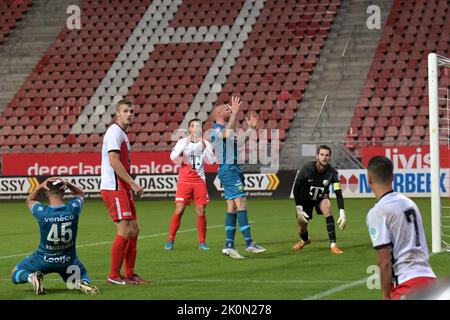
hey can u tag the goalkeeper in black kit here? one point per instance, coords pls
(311, 190)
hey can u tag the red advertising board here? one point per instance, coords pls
(407, 157)
(44, 164)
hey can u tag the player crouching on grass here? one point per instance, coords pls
(58, 223)
(311, 190)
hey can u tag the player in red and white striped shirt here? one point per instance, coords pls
(116, 185)
(191, 152)
(396, 230)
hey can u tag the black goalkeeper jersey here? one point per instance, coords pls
(312, 185)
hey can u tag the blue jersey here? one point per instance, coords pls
(227, 159)
(230, 173)
(58, 226)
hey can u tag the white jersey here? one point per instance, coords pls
(115, 140)
(192, 157)
(395, 220)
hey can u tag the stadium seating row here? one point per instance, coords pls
(63, 98)
(10, 13)
(393, 107)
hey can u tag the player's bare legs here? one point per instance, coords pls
(240, 203)
(200, 209)
(175, 224)
(179, 208)
(302, 228)
(231, 206)
(201, 225)
(123, 228)
(325, 207)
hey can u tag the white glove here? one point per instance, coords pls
(342, 221)
(302, 215)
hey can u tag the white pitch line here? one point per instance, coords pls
(336, 289)
(252, 281)
(110, 242)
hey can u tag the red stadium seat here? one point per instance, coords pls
(395, 121)
(369, 122)
(418, 131)
(378, 132)
(408, 121)
(405, 132)
(142, 137)
(366, 132)
(70, 139)
(392, 131)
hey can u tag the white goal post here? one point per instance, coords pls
(435, 62)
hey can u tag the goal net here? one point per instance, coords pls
(439, 125)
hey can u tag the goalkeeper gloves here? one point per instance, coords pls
(302, 216)
(342, 221)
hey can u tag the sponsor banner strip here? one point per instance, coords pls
(407, 157)
(354, 184)
(84, 163)
(161, 186)
(411, 182)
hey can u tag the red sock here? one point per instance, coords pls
(174, 225)
(117, 254)
(201, 228)
(130, 256)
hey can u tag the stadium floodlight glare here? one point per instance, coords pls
(438, 99)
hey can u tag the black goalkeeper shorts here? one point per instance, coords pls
(309, 205)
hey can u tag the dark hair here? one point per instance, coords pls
(194, 120)
(124, 101)
(325, 147)
(381, 169)
(56, 187)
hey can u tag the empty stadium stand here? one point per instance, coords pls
(335, 84)
(10, 12)
(393, 107)
(278, 59)
(66, 103)
(58, 88)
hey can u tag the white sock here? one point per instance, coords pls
(29, 278)
(332, 245)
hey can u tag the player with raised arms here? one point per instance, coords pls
(58, 224)
(224, 139)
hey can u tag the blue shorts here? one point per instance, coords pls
(232, 179)
(35, 263)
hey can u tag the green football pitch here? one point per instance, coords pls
(188, 273)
